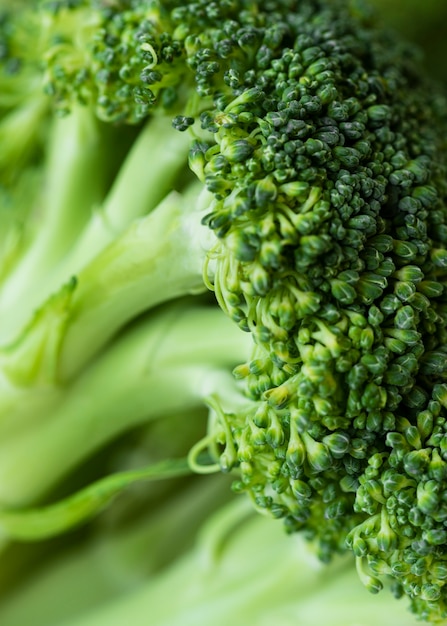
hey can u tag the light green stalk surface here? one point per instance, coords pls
(166, 363)
(245, 571)
(79, 221)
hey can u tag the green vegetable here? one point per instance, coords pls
(288, 157)
(242, 569)
(425, 25)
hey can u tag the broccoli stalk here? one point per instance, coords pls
(241, 567)
(81, 229)
(87, 574)
(74, 182)
(122, 281)
(172, 361)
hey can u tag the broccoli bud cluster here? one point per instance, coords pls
(328, 176)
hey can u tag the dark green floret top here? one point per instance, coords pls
(328, 169)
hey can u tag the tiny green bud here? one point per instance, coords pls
(379, 113)
(435, 536)
(318, 454)
(260, 279)
(349, 157)
(415, 462)
(405, 317)
(426, 195)
(349, 484)
(438, 570)
(405, 249)
(427, 496)
(279, 397)
(425, 423)
(241, 371)
(430, 592)
(431, 288)
(409, 273)
(237, 151)
(440, 394)
(409, 337)
(265, 192)
(297, 189)
(387, 539)
(296, 451)
(345, 293)
(300, 489)
(274, 433)
(337, 443)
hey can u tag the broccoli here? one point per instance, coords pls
(240, 569)
(289, 158)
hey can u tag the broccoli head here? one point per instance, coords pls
(331, 210)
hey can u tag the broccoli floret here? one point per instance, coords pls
(292, 159)
(340, 244)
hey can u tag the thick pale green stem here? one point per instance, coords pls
(75, 182)
(260, 576)
(157, 259)
(70, 580)
(20, 129)
(78, 159)
(163, 365)
(149, 173)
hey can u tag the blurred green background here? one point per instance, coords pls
(421, 21)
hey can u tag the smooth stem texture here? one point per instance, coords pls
(74, 182)
(156, 259)
(71, 580)
(78, 222)
(148, 174)
(54, 519)
(19, 131)
(167, 363)
(260, 576)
